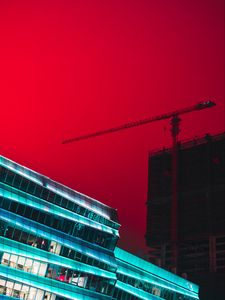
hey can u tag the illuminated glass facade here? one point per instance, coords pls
(58, 244)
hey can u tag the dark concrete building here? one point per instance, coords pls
(200, 212)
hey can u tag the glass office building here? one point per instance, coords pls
(58, 244)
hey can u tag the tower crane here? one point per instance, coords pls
(175, 122)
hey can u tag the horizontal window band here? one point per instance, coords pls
(17, 248)
(50, 285)
(45, 232)
(35, 202)
(136, 267)
(155, 281)
(136, 292)
(19, 171)
(4, 297)
(68, 193)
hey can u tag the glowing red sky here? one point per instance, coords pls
(73, 67)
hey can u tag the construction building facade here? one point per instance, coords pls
(200, 212)
(58, 244)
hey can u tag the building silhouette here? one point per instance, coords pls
(200, 212)
(58, 244)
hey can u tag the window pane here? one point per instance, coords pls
(35, 268)
(29, 263)
(2, 282)
(17, 286)
(9, 284)
(14, 258)
(42, 270)
(6, 256)
(25, 288)
(32, 293)
(21, 260)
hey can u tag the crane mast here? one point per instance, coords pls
(175, 122)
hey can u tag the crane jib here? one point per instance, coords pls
(198, 106)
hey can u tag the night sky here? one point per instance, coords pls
(72, 67)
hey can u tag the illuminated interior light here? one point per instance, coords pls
(53, 286)
(59, 239)
(47, 257)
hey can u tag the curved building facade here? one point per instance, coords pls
(58, 244)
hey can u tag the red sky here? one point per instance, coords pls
(71, 67)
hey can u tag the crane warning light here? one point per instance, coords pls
(205, 104)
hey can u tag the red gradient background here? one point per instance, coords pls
(72, 67)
